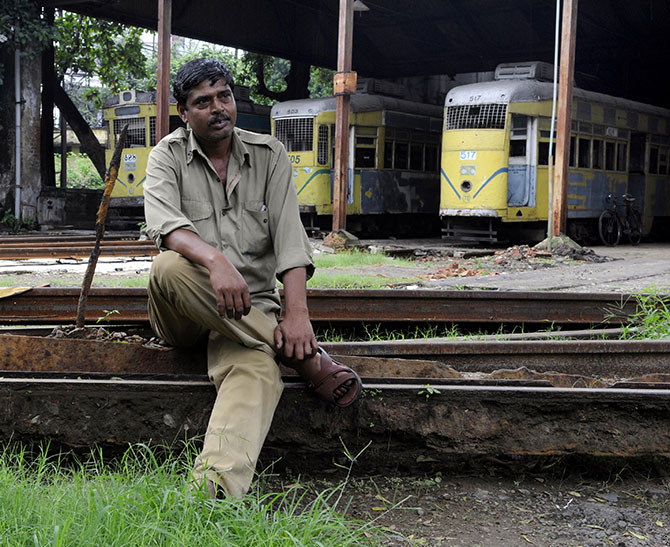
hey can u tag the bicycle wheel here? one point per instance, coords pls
(634, 228)
(609, 228)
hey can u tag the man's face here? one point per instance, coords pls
(210, 111)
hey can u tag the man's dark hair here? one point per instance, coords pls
(196, 71)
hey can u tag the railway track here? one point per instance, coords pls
(52, 305)
(613, 401)
(19, 248)
(428, 398)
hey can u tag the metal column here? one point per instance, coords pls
(163, 75)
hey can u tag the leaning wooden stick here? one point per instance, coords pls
(110, 179)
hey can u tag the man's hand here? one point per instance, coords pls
(294, 336)
(230, 288)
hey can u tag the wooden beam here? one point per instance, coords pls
(565, 85)
(163, 73)
(344, 50)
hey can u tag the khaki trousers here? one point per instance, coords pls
(240, 363)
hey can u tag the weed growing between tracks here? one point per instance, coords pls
(652, 320)
(144, 498)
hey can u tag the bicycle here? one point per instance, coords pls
(612, 223)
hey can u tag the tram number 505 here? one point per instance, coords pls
(295, 158)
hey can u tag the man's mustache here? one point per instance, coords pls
(218, 118)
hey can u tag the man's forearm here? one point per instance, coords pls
(295, 291)
(190, 245)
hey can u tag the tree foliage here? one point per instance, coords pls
(246, 68)
(112, 52)
(22, 29)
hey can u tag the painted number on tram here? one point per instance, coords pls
(468, 155)
(295, 158)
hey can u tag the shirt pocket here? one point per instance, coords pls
(255, 228)
(200, 214)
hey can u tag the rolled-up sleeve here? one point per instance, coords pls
(291, 245)
(162, 195)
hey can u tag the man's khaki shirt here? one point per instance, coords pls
(253, 220)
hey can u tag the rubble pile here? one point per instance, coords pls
(456, 270)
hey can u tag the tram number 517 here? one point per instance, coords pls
(295, 158)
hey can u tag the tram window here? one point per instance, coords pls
(175, 123)
(663, 162)
(401, 155)
(543, 152)
(517, 148)
(597, 154)
(610, 154)
(296, 134)
(137, 132)
(388, 155)
(622, 156)
(365, 157)
(519, 125)
(431, 158)
(571, 160)
(322, 145)
(653, 160)
(584, 152)
(416, 157)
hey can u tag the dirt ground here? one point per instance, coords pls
(486, 502)
(534, 501)
(435, 265)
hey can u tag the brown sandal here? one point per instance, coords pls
(332, 376)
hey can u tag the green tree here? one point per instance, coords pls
(112, 52)
(21, 28)
(268, 78)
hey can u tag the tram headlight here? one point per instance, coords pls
(466, 186)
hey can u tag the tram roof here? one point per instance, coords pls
(621, 46)
(359, 103)
(507, 91)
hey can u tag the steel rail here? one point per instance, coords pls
(75, 249)
(596, 363)
(53, 305)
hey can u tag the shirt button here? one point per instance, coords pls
(223, 213)
(265, 221)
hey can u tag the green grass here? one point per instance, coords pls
(652, 319)
(81, 173)
(324, 280)
(355, 258)
(375, 332)
(138, 500)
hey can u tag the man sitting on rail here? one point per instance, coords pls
(221, 205)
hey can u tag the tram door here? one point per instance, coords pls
(522, 168)
(636, 178)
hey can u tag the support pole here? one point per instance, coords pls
(344, 84)
(17, 133)
(561, 177)
(163, 73)
(63, 150)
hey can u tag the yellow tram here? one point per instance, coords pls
(138, 110)
(392, 180)
(495, 146)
